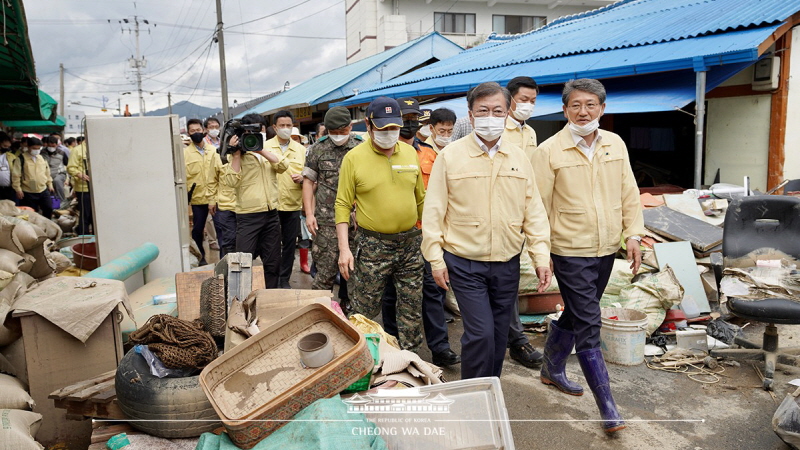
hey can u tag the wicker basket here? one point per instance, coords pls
(212, 306)
(260, 385)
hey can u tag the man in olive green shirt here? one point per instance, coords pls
(383, 179)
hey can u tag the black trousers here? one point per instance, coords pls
(42, 202)
(290, 230)
(200, 216)
(8, 193)
(582, 282)
(486, 293)
(225, 224)
(516, 332)
(85, 207)
(260, 235)
(433, 320)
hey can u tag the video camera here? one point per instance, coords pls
(250, 138)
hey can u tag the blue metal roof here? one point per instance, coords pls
(646, 93)
(341, 82)
(626, 38)
(707, 51)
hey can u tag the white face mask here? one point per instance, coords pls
(523, 111)
(425, 131)
(490, 128)
(213, 132)
(35, 152)
(284, 133)
(585, 130)
(441, 141)
(385, 139)
(339, 139)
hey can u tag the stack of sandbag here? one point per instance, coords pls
(18, 425)
(26, 240)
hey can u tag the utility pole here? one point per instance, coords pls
(61, 84)
(139, 62)
(169, 102)
(222, 74)
(119, 107)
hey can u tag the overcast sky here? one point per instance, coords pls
(297, 40)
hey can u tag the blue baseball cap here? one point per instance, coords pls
(384, 112)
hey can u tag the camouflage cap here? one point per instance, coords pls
(337, 117)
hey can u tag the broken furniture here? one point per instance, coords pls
(92, 398)
(753, 224)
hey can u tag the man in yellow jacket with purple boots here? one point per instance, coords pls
(591, 198)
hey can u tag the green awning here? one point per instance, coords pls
(20, 97)
(36, 126)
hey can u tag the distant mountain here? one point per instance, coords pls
(186, 109)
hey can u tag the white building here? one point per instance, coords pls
(377, 25)
(74, 126)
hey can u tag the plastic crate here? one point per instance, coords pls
(261, 384)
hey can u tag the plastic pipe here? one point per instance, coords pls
(128, 264)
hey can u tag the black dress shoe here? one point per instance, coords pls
(526, 355)
(446, 358)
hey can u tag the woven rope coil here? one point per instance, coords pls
(178, 343)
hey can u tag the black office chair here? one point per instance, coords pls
(753, 223)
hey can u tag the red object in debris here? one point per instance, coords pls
(613, 318)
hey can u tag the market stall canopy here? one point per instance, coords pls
(20, 97)
(37, 126)
(628, 38)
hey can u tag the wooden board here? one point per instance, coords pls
(187, 290)
(679, 256)
(680, 227)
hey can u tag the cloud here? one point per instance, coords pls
(95, 52)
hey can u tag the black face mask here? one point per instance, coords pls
(409, 129)
(197, 137)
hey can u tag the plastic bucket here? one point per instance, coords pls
(622, 339)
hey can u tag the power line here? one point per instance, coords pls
(269, 15)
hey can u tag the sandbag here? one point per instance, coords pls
(10, 261)
(18, 428)
(8, 240)
(42, 265)
(27, 265)
(5, 279)
(67, 223)
(14, 394)
(50, 228)
(786, 420)
(652, 294)
(25, 232)
(8, 208)
(60, 260)
(10, 328)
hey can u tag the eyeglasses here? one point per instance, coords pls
(484, 112)
(577, 107)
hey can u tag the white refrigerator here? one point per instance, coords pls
(138, 190)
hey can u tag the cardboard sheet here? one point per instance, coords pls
(76, 305)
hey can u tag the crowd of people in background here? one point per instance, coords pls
(45, 174)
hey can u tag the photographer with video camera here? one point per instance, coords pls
(253, 173)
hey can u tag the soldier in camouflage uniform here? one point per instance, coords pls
(320, 183)
(382, 178)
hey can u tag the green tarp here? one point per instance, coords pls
(36, 126)
(20, 97)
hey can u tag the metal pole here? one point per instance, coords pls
(222, 74)
(61, 94)
(699, 122)
(169, 102)
(119, 107)
(138, 68)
